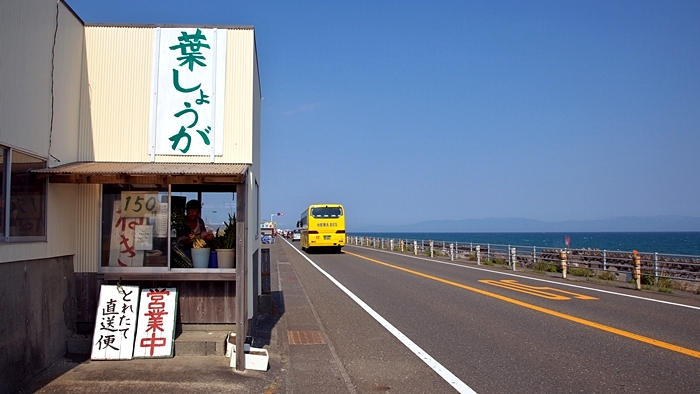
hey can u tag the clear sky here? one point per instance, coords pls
(406, 111)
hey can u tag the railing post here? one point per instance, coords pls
(605, 260)
(656, 269)
(562, 257)
(637, 272)
(534, 255)
(431, 248)
(452, 252)
(513, 257)
(478, 254)
(488, 251)
(415, 248)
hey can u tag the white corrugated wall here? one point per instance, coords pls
(120, 70)
(87, 258)
(238, 124)
(119, 73)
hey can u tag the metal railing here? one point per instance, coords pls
(662, 271)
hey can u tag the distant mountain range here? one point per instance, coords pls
(619, 224)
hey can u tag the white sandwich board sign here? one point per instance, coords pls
(157, 314)
(115, 324)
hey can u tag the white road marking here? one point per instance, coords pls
(448, 376)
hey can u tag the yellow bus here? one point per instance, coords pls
(322, 226)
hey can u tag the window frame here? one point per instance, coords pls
(6, 184)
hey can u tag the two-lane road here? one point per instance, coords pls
(411, 324)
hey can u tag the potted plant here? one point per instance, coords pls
(226, 244)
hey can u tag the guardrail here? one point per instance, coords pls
(662, 272)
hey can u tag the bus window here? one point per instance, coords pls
(327, 212)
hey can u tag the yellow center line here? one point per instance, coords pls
(613, 330)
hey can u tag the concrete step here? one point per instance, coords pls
(187, 343)
(201, 343)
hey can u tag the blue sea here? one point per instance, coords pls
(681, 243)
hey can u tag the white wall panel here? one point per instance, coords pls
(62, 223)
(26, 37)
(66, 82)
(238, 124)
(119, 74)
(88, 202)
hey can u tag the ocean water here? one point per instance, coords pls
(681, 243)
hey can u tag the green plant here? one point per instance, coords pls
(545, 267)
(581, 271)
(227, 238)
(607, 275)
(180, 224)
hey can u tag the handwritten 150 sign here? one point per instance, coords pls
(189, 98)
(139, 204)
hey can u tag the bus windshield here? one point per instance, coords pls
(327, 212)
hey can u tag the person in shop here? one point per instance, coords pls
(193, 211)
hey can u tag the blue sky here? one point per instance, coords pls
(406, 111)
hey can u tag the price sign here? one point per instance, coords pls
(139, 204)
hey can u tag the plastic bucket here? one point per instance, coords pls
(200, 257)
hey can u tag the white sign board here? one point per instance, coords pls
(155, 335)
(143, 237)
(162, 220)
(115, 324)
(187, 107)
(122, 249)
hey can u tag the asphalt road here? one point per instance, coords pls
(410, 324)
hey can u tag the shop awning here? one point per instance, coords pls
(146, 173)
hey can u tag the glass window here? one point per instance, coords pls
(27, 213)
(135, 222)
(326, 212)
(136, 219)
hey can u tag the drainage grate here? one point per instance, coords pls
(305, 338)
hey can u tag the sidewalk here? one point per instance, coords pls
(201, 374)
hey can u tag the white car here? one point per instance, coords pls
(296, 236)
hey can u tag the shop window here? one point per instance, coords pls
(138, 231)
(22, 198)
(135, 222)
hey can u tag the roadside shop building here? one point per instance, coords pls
(94, 118)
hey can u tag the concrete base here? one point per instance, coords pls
(188, 343)
(201, 343)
